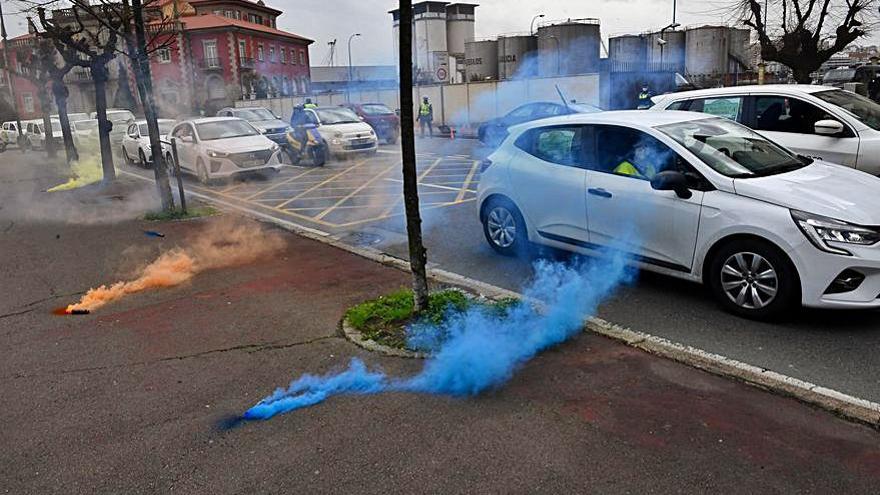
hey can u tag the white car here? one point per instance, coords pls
(85, 135)
(71, 117)
(821, 122)
(696, 197)
(120, 118)
(36, 137)
(9, 133)
(345, 133)
(136, 143)
(221, 147)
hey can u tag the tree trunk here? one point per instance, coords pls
(145, 89)
(59, 90)
(417, 254)
(99, 76)
(802, 75)
(48, 137)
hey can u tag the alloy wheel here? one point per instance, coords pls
(749, 280)
(501, 226)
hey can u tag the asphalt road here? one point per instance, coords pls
(835, 349)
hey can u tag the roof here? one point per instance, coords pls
(754, 88)
(359, 73)
(257, 5)
(205, 120)
(630, 118)
(213, 21)
(144, 121)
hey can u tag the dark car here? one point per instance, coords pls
(263, 119)
(495, 130)
(382, 119)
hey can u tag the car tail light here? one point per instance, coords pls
(486, 163)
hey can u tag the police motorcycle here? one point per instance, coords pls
(303, 140)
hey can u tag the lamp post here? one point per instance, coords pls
(532, 25)
(350, 71)
(662, 41)
(10, 77)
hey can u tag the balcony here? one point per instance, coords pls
(247, 63)
(210, 64)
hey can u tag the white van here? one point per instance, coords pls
(820, 122)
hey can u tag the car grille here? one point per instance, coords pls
(251, 158)
(360, 144)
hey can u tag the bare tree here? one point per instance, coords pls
(90, 47)
(803, 34)
(418, 257)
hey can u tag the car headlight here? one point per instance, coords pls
(372, 133)
(336, 141)
(823, 230)
(217, 154)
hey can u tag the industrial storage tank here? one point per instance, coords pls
(716, 50)
(459, 27)
(481, 60)
(627, 53)
(569, 47)
(517, 56)
(668, 56)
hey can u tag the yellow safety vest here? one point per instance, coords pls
(425, 109)
(310, 105)
(630, 170)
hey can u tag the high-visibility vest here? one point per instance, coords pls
(310, 105)
(644, 96)
(630, 170)
(425, 109)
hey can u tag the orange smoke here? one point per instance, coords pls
(220, 245)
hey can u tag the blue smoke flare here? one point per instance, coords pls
(481, 349)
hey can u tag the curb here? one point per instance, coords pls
(843, 405)
(357, 338)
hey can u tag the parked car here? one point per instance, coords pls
(9, 133)
(821, 122)
(494, 131)
(342, 130)
(382, 119)
(222, 147)
(71, 117)
(263, 119)
(136, 143)
(120, 118)
(28, 127)
(696, 197)
(36, 137)
(85, 135)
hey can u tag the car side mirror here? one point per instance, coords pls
(828, 128)
(671, 180)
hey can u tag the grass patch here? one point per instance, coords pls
(177, 214)
(384, 320)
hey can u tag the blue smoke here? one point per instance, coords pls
(481, 348)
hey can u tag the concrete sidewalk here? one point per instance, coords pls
(128, 400)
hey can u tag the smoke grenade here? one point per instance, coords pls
(481, 349)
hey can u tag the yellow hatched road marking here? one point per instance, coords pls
(316, 186)
(428, 170)
(467, 181)
(350, 195)
(263, 191)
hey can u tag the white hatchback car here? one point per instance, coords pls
(821, 122)
(222, 147)
(344, 132)
(696, 197)
(136, 143)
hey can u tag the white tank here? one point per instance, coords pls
(569, 47)
(712, 50)
(517, 57)
(459, 27)
(668, 56)
(481, 60)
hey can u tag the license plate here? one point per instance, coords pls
(360, 141)
(252, 163)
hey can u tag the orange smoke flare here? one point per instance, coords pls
(220, 245)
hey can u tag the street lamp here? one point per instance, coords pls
(662, 42)
(532, 25)
(350, 73)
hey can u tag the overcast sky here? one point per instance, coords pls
(324, 20)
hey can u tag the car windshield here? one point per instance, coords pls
(225, 129)
(85, 125)
(254, 114)
(732, 149)
(164, 128)
(117, 117)
(376, 109)
(860, 107)
(330, 116)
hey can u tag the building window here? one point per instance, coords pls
(163, 55)
(256, 19)
(272, 54)
(282, 57)
(28, 100)
(242, 49)
(260, 52)
(238, 15)
(212, 59)
(217, 12)
(302, 57)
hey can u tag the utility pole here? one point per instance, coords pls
(532, 25)
(350, 71)
(418, 258)
(332, 53)
(10, 76)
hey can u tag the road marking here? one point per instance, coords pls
(353, 193)
(279, 184)
(467, 181)
(340, 174)
(424, 184)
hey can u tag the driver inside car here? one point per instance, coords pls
(640, 165)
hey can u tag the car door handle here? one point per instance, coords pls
(599, 192)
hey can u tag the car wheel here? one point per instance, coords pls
(754, 279)
(504, 228)
(125, 158)
(202, 172)
(142, 157)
